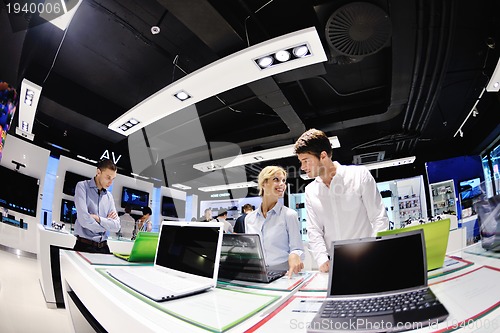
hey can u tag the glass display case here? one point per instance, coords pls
(443, 198)
(297, 202)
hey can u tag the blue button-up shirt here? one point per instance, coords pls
(279, 233)
(89, 201)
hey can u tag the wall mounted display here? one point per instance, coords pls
(70, 180)
(19, 192)
(173, 209)
(134, 198)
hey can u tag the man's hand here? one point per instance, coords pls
(96, 218)
(113, 215)
(295, 265)
(325, 267)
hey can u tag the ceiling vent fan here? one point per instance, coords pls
(357, 30)
(366, 158)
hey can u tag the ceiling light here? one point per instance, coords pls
(30, 95)
(86, 159)
(253, 157)
(239, 68)
(129, 124)
(181, 186)
(138, 176)
(390, 163)
(494, 83)
(227, 186)
(282, 55)
(300, 51)
(265, 62)
(182, 95)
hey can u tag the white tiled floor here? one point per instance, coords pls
(22, 305)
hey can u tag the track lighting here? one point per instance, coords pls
(283, 56)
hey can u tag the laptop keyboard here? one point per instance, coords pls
(410, 301)
(151, 276)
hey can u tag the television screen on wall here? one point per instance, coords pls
(470, 189)
(70, 180)
(173, 208)
(134, 198)
(68, 211)
(18, 192)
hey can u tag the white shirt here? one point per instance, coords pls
(279, 233)
(351, 208)
(127, 223)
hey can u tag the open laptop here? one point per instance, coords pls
(186, 262)
(144, 248)
(378, 285)
(242, 258)
(436, 236)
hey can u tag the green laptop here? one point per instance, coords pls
(436, 240)
(144, 248)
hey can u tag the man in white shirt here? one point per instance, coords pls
(342, 202)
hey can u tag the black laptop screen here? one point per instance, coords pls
(188, 249)
(385, 264)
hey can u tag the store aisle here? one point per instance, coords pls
(22, 306)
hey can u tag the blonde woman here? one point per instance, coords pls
(276, 224)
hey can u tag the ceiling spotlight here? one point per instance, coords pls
(155, 30)
(300, 51)
(461, 133)
(182, 95)
(134, 121)
(282, 56)
(475, 112)
(265, 62)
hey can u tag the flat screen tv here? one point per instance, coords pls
(18, 192)
(134, 198)
(470, 189)
(68, 211)
(70, 180)
(173, 208)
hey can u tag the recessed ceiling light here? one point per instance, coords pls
(300, 51)
(282, 56)
(134, 121)
(182, 95)
(265, 62)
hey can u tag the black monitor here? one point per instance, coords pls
(70, 180)
(68, 211)
(18, 192)
(134, 198)
(173, 208)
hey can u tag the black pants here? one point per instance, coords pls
(82, 247)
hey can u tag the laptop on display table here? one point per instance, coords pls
(186, 262)
(378, 285)
(242, 258)
(436, 236)
(144, 248)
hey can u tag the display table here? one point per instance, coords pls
(50, 241)
(468, 287)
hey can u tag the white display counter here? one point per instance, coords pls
(50, 241)
(468, 288)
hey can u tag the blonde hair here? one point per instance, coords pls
(266, 174)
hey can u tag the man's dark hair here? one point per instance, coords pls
(128, 209)
(224, 212)
(313, 142)
(146, 210)
(247, 207)
(106, 164)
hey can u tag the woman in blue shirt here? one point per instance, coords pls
(276, 224)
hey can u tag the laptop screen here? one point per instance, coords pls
(190, 249)
(378, 265)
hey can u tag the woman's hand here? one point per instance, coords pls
(295, 265)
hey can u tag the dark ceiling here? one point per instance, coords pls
(418, 68)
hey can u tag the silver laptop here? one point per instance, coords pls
(186, 262)
(242, 258)
(378, 285)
